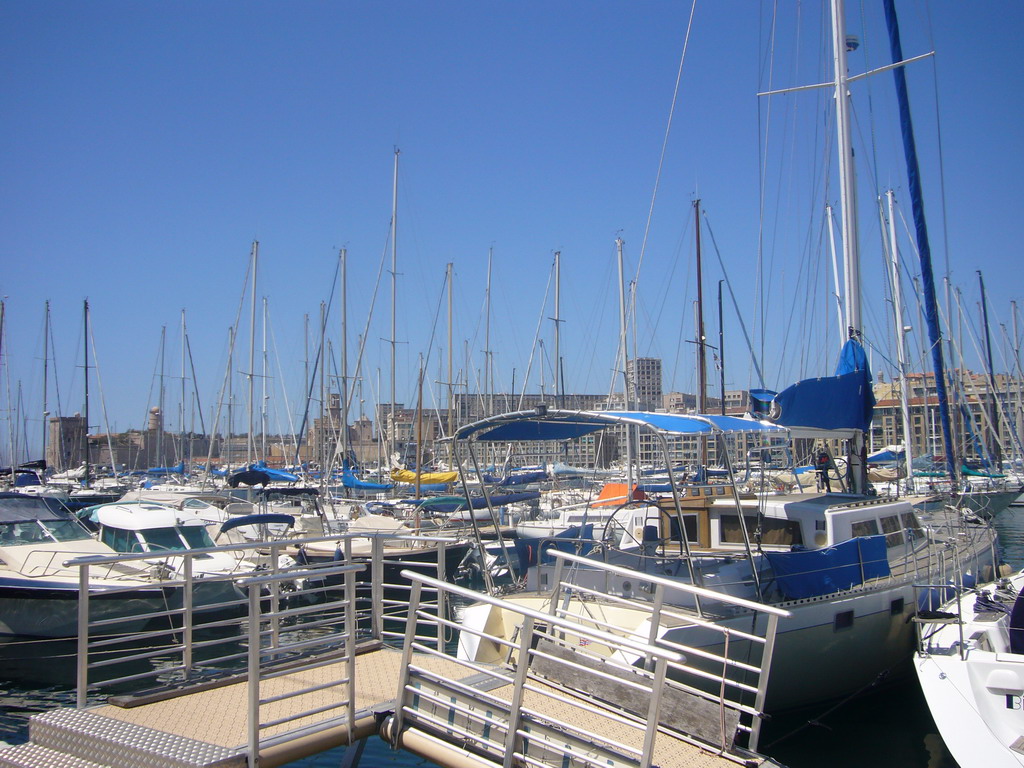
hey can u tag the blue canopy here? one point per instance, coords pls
(550, 424)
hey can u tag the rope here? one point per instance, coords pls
(817, 721)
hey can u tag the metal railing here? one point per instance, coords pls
(566, 669)
(186, 628)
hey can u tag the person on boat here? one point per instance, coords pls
(823, 464)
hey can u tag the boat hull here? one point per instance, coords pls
(51, 611)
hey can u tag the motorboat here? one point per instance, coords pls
(39, 593)
(970, 663)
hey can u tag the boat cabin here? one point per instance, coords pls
(779, 523)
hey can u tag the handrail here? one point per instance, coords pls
(608, 637)
(708, 594)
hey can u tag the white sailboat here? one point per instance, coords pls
(843, 564)
(970, 663)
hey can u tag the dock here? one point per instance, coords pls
(291, 678)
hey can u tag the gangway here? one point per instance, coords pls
(350, 660)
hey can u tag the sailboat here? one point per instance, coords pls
(843, 563)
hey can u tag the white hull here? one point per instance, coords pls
(974, 683)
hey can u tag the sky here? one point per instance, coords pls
(144, 147)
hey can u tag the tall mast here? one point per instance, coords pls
(901, 354)
(557, 320)
(721, 346)
(847, 177)
(993, 440)
(161, 454)
(624, 356)
(85, 436)
(181, 412)
(921, 230)
(394, 300)
(488, 384)
(343, 255)
(702, 362)
(857, 457)
(451, 353)
(46, 361)
(252, 352)
(263, 385)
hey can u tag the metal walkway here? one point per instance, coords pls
(308, 687)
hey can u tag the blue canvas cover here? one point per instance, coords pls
(814, 572)
(841, 402)
(349, 480)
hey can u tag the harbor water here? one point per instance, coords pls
(885, 726)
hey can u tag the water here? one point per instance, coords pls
(886, 727)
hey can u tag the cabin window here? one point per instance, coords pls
(164, 538)
(720, 490)
(774, 532)
(689, 522)
(896, 606)
(910, 522)
(865, 528)
(842, 621)
(120, 540)
(892, 530)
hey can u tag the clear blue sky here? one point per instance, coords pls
(144, 146)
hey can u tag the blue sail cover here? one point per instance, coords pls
(814, 572)
(349, 480)
(276, 475)
(841, 402)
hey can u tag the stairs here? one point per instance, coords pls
(76, 738)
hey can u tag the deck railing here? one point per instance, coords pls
(563, 663)
(184, 628)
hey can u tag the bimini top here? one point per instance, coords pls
(544, 423)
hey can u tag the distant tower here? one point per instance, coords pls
(155, 419)
(645, 376)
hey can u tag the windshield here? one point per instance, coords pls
(196, 536)
(177, 538)
(41, 532)
(162, 538)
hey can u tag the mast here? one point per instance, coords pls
(702, 362)
(252, 352)
(182, 409)
(721, 345)
(901, 354)
(488, 383)
(343, 256)
(557, 320)
(85, 435)
(921, 229)
(263, 384)
(624, 355)
(847, 176)
(161, 453)
(451, 354)
(994, 441)
(46, 361)
(848, 199)
(394, 300)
